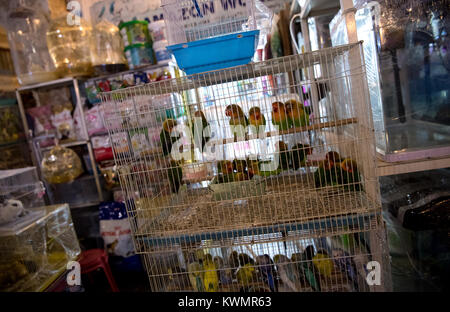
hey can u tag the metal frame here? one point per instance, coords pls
(37, 151)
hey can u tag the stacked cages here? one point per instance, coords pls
(223, 196)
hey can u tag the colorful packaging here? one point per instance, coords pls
(63, 122)
(140, 55)
(140, 78)
(115, 229)
(139, 141)
(94, 122)
(120, 142)
(102, 148)
(135, 32)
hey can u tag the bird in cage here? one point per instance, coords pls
(279, 116)
(311, 273)
(267, 270)
(196, 275)
(285, 156)
(323, 263)
(296, 113)
(233, 262)
(240, 166)
(299, 153)
(252, 167)
(350, 174)
(345, 264)
(305, 276)
(210, 277)
(329, 171)
(175, 175)
(225, 275)
(226, 171)
(288, 273)
(165, 135)
(257, 118)
(238, 120)
(199, 128)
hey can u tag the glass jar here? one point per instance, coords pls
(70, 47)
(107, 49)
(32, 62)
(61, 165)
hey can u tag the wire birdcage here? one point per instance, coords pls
(250, 160)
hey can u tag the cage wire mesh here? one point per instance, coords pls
(192, 20)
(258, 162)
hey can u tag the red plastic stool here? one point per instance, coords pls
(94, 259)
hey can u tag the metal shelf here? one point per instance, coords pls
(52, 83)
(386, 169)
(69, 144)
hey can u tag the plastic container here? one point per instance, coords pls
(139, 55)
(216, 53)
(32, 62)
(208, 35)
(407, 66)
(158, 31)
(70, 47)
(161, 52)
(135, 32)
(107, 49)
(61, 165)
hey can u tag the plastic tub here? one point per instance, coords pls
(158, 31)
(161, 52)
(134, 32)
(216, 53)
(139, 55)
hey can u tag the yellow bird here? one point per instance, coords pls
(323, 264)
(211, 278)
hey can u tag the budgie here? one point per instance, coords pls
(288, 272)
(225, 275)
(311, 273)
(267, 270)
(345, 263)
(210, 278)
(323, 263)
(279, 116)
(196, 276)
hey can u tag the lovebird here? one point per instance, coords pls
(166, 139)
(226, 171)
(327, 174)
(253, 168)
(279, 116)
(257, 119)
(196, 275)
(285, 156)
(237, 118)
(296, 113)
(210, 278)
(267, 271)
(299, 153)
(350, 174)
(288, 272)
(199, 127)
(175, 174)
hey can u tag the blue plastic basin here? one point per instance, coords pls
(215, 53)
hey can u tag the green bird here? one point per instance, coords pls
(288, 272)
(257, 119)
(165, 136)
(296, 113)
(284, 155)
(199, 127)
(175, 175)
(279, 116)
(196, 276)
(311, 274)
(350, 176)
(210, 277)
(237, 118)
(299, 152)
(246, 275)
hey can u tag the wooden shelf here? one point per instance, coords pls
(386, 169)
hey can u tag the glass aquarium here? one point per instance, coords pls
(407, 63)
